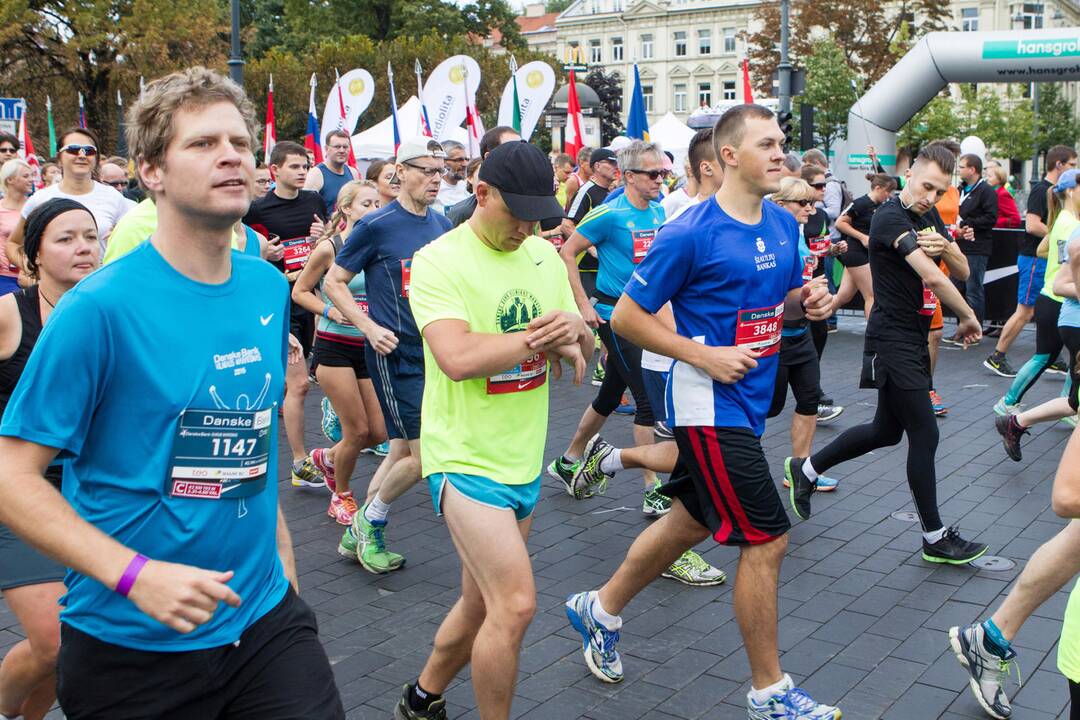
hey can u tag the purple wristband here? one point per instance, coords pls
(127, 580)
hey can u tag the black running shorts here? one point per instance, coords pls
(723, 480)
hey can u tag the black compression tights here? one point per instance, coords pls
(898, 412)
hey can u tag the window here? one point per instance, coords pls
(646, 46)
(704, 42)
(1030, 16)
(729, 89)
(679, 97)
(596, 6)
(969, 19)
(616, 6)
(704, 94)
(646, 93)
(616, 49)
(680, 43)
(729, 40)
(595, 52)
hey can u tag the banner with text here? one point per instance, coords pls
(444, 94)
(536, 83)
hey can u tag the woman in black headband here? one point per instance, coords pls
(61, 245)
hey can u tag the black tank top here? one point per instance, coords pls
(12, 368)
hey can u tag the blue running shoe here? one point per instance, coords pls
(626, 408)
(793, 704)
(381, 450)
(331, 426)
(824, 484)
(598, 643)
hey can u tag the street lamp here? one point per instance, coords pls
(236, 61)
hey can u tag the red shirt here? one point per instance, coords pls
(1008, 214)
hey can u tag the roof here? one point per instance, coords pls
(539, 23)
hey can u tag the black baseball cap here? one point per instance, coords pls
(523, 175)
(602, 154)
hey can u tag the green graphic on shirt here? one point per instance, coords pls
(516, 310)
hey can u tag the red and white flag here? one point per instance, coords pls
(343, 113)
(26, 149)
(473, 123)
(748, 93)
(574, 139)
(270, 131)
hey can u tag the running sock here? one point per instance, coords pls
(762, 696)
(809, 471)
(612, 463)
(993, 640)
(602, 616)
(1026, 377)
(377, 510)
(420, 699)
(934, 535)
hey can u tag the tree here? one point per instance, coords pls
(557, 6)
(1057, 122)
(65, 47)
(610, 90)
(938, 120)
(866, 32)
(1017, 134)
(829, 91)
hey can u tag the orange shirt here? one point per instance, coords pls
(948, 206)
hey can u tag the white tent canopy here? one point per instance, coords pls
(674, 136)
(378, 141)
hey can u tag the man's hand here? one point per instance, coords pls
(181, 596)
(729, 364)
(274, 249)
(816, 299)
(382, 340)
(967, 233)
(571, 353)
(970, 329)
(932, 243)
(296, 350)
(317, 227)
(553, 329)
(590, 316)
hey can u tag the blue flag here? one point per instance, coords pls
(637, 125)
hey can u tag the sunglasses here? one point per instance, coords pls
(818, 186)
(652, 174)
(801, 203)
(118, 184)
(87, 150)
(8, 150)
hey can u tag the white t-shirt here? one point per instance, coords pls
(675, 202)
(451, 194)
(104, 203)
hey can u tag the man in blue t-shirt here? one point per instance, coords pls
(730, 270)
(621, 232)
(169, 444)
(382, 246)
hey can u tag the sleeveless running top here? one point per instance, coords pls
(326, 328)
(12, 368)
(332, 183)
(251, 243)
(1064, 225)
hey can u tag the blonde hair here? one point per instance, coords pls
(793, 189)
(9, 168)
(999, 174)
(345, 197)
(150, 128)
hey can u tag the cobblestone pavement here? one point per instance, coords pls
(863, 618)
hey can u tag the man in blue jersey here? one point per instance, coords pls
(621, 232)
(181, 595)
(730, 270)
(382, 245)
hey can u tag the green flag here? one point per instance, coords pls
(52, 128)
(517, 103)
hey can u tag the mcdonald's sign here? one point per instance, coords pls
(574, 59)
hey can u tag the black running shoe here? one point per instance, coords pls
(800, 488)
(999, 365)
(435, 711)
(1011, 431)
(952, 549)
(1057, 367)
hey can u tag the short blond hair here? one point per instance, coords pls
(997, 171)
(149, 128)
(793, 189)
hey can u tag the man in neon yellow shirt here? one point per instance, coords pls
(494, 306)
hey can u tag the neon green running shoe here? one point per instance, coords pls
(654, 504)
(691, 569)
(371, 546)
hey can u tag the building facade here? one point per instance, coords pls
(688, 51)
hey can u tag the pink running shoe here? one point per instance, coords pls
(321, 463)
(342, 508)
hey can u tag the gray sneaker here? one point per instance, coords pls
(987, 671)
(589, 479)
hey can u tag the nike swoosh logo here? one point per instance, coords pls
(539, 261)
(266, 320)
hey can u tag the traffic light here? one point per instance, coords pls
(787, 127)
